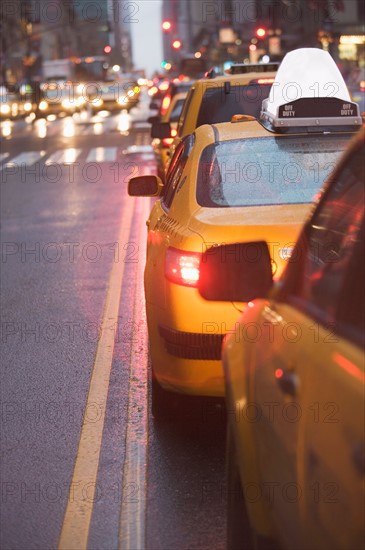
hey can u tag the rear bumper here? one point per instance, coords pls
(191, 345)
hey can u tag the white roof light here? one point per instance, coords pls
(309, 90)
(307, 72)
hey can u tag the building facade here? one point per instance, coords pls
(33, 31)
(227, 30)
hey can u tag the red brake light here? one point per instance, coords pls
(165, 104)
(169, 141)
(182, 267)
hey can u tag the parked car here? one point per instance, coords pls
(217, 98)
(294, 376)
(165, 91)
(162, 146)
(237, 180)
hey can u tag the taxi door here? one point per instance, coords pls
(161, 226)
(309, 378)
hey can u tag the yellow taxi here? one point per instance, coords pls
(217, 98)
(227, 182)
(171, 116)
(294, 372)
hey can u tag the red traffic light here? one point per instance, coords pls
(176, 44)
(107, 49)
(260, 32)
(166, 25)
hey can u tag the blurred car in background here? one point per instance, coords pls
(112, 95)
(161, 146)
(217, 98)
(228, 181)
(58, 96)
(294, 375)
(166, 91)
(9, 104)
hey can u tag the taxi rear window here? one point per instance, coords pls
(220, 104)
(267, 171)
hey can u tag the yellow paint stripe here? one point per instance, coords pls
(76, 524)
(133, 513)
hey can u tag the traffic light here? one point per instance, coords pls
(107, 49)
(166, 65)
(260, 32)
(176, 44)
(166, 25)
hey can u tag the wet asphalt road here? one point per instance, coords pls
(70, 237)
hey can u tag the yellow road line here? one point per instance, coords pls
(133, 512)
(76, 523)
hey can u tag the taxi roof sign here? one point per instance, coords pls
(309, 90)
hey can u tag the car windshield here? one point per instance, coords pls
(267, 171)
(220, 104)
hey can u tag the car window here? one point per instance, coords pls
(185, 109)
(266, 171)
(220, 104)
(178, 162)
(327, 286)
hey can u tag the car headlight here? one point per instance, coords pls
(5, 109)
(27, 106)
(67, 104)
(43, 106)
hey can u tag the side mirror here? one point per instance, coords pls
(236, 272)
(145, 186)
(153, 119)
(161, 130)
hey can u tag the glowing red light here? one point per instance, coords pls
(165, 104)
(107, 49)
(166, 25)
(182, 268)
(260, 32)
(176, 44)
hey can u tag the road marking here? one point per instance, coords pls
(76, 523)
(26, 159)
(65, 156)
(3, 156)
(132, 534)
(134, 149)
(102, 154)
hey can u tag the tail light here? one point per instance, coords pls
(265, 80)
(182, 267)
(168, 141)
(165, 104)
